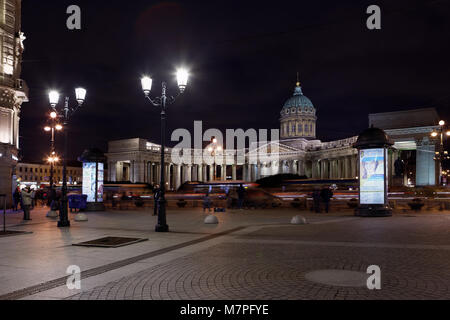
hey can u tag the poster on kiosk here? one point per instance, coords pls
(90, 185)
(372, 180)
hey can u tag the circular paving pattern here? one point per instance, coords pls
(338, 278)
(251, 271)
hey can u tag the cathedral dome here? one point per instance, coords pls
(298, 103)
(298, 117)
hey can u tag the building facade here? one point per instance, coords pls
(13, 91)
(39, 174)
(296, 152)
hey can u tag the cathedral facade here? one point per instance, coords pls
(298, 151)
(13, 92)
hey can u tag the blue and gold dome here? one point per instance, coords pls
(299, 101)
(298, 117)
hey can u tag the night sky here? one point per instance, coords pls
(243, 56)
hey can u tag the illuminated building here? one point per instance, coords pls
(13, 91)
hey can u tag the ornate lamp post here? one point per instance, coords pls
(441, 154)
(53, 126)
(65, 114)
(162, 102)
(213, 149)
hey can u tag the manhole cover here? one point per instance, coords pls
(338, 278)
(110, 242)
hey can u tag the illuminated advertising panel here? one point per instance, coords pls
(100, 182)
(89, 185)
(372, 180)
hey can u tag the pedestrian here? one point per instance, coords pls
(241, 196)
(316, 200)
(27, 201)
(326, 194)
(207, 203)
(33, 198)
(156, 196)
(16, 199)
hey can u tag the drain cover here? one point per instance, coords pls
(110, 242)
(338, 278)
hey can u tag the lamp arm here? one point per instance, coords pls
(155, 102)
(172, 99)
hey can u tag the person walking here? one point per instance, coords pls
(156, 196)
(326, 194)
(16, 199)
(27, 201)
(33, 198)
(316, 200)
(241, 196)
(207, 203)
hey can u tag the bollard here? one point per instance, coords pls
(211, 219)
(298, 220)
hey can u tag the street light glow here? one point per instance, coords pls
(442, 122)
(53, 97)
(58, 127)
(448, 133)
(53, 115)
(147, 83)
(47, 129)
(434, 134)
(182, 78)
(80, 94)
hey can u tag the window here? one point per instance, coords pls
(20, 169)
(2, 11)
(26, 169)
(306, 128)
(310, 128)
(299, 128)
(293, 128)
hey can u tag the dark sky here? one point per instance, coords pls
(243, 56)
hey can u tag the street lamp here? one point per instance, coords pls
(213, 149)
(65, 113)
(441, 155)
(162, 102)
(52, 126)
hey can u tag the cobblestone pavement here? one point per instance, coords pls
(271, 263)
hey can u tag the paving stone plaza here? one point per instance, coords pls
(249, 255)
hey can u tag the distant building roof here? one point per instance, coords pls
(426, 117)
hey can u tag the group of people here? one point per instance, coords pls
(27, 200)
(322, 196)
(235, 197)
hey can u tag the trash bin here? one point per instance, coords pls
(77, 201)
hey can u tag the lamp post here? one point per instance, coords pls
(162, 102)
(441, 155)
(52, 126)
(213, 149)
(65, 114)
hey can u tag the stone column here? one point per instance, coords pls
(200, 172)
(113, 171)
(188, 173)
(234, 172)
(224, 172)
(211, 172)
(425, 163)
(177, 171)
(301, 167)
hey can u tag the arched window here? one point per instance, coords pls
(299, 128)
(306, 128)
